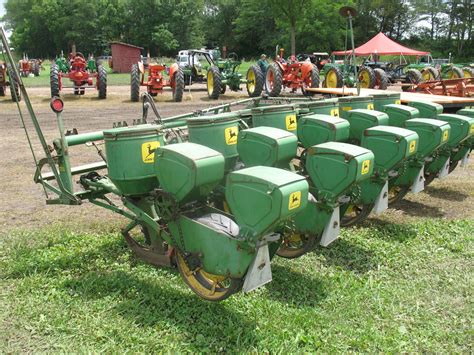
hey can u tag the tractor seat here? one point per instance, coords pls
(220, 223)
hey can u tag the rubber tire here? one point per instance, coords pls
(223, 89)
(178, 90)
(259, 81)
(339, 77)
(292, 254)
(314, 81)
(36, 68)
(371, 74)
(469, 71)
(361, 217)
(403, 192)
(434, 73)
(413, 76)
(14, 85)
(102, 85)
(277, 80)
(456, 71)
(54, 80)
(216, 78)
(135, 83)
(381, 79)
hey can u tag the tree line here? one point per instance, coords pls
(42, 28)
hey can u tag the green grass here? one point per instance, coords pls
(381, 287)
(112, 78)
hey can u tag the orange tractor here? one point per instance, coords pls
(29, 66)
(155, 81)
(9, 78)
(291, 74)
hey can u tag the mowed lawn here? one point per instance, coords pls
(382, 287)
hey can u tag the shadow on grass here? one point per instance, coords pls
(445, 193)
(418, 209)
(305, 290)
(390, 231)
(348, 256)
(150, 305)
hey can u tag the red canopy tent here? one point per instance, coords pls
(381, 45)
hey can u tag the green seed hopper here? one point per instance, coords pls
(349, 103)
(427, 109)
(398, 114)
(317, 128)
(277, 116)
(323, 107)
(470, 113)
(382, 99)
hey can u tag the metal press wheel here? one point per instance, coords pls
(207, 286)
(397, 193)
(295, 243)
(356, 213)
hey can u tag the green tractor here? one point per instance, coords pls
(224, 72)
(339, 73)
(437, 69)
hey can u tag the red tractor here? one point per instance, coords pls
(29, 66)
(80, 72)
(9, 78)
(155, 81)
(291, 74)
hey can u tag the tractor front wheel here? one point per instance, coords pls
(334, 78)
(366, 78)
(135, 83)
(429, 74)
(177, 85)
(454, 73)
(468, 72)
(255, 81)
(214, 82)
(381, 79)
(101, 82)
(54, 80)
(14, 85)
(412, 77)
(273, 80)
(311, 81)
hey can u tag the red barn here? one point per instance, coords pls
(123, 56)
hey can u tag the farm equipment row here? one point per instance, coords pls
(220, 192)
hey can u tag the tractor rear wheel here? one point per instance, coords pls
(135, 83)
(366, 78)
(101, 82)
(14, 85)
(311, 81)
(255, 81)
(412, 77)
(207, 286)
(429, 73)
(381, 79)
(334, 78)
(54, 80)
(36, 68)
(454, 73)
(356, 213)
(214, 82)
(177, 85)
(468, 72)
(273, 80)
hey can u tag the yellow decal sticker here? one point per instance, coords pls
(334, 112)
(370, 106)
(365, 167)
(295, 200)
(148, 151)
(445, 136)
(412, 147)
(472, 129)
(398, 102)
(291, 122)
(347, 108)
(231, 134)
